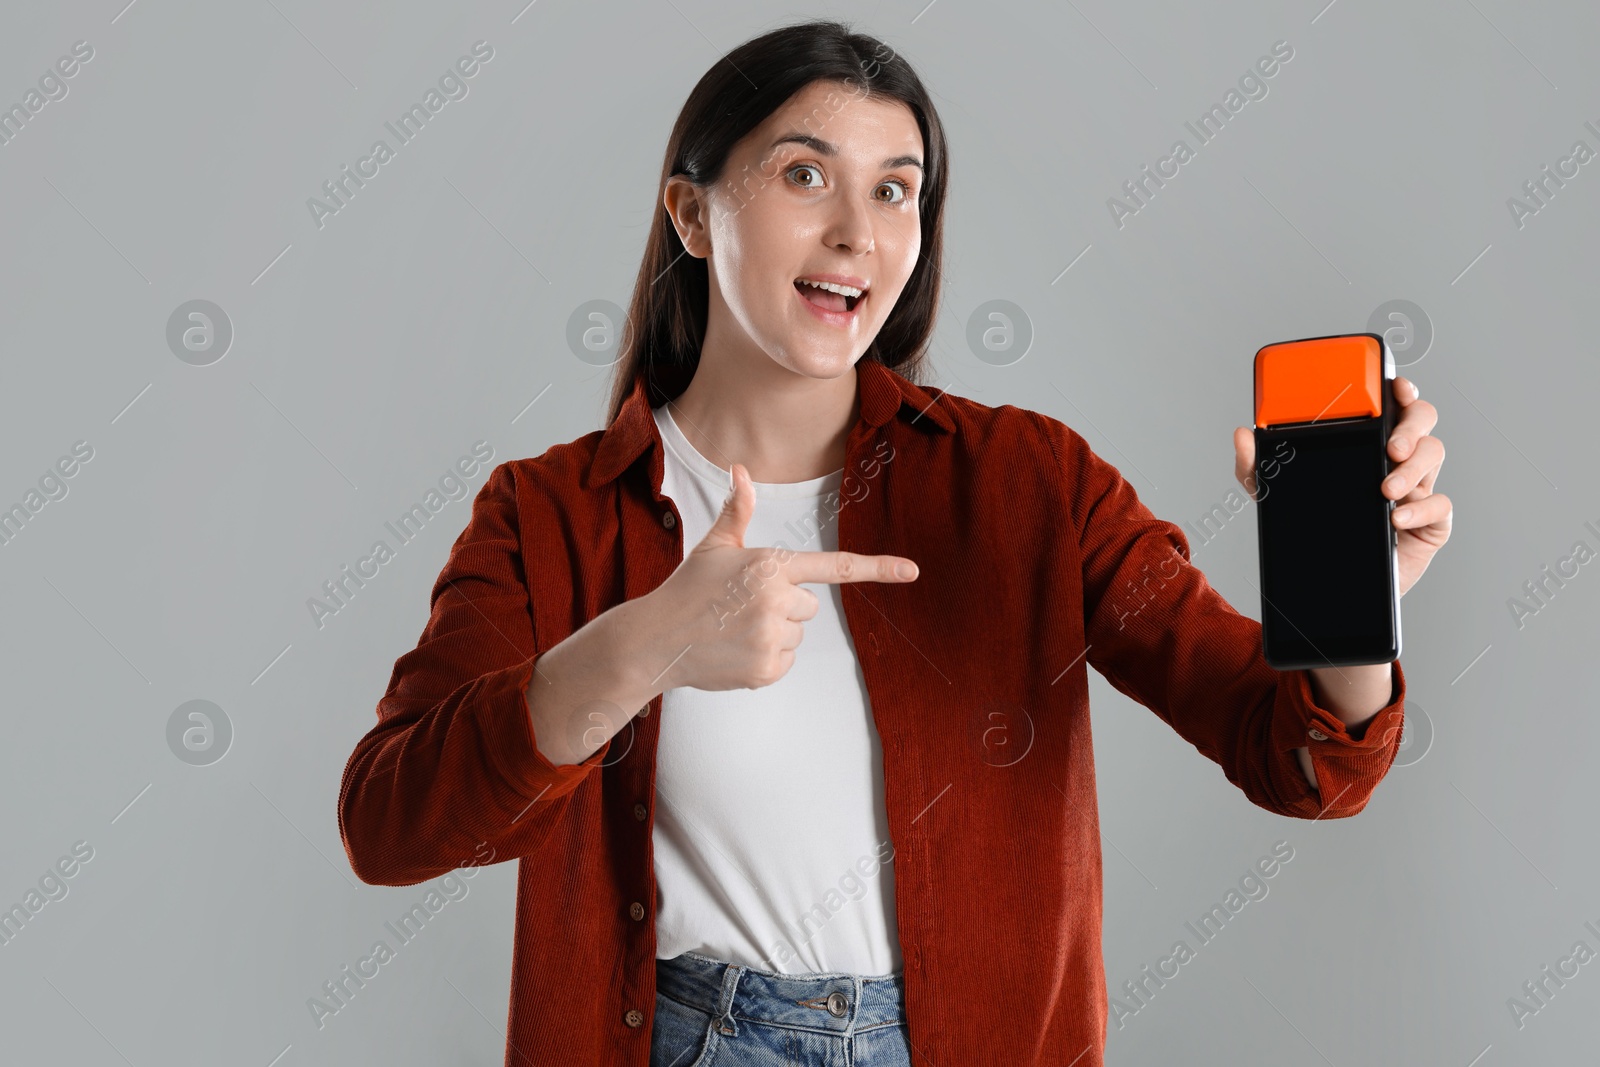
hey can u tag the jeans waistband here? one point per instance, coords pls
(834, 1002)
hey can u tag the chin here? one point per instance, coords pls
(824, 363)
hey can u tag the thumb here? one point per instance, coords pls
(734, 518)
(1244, 458)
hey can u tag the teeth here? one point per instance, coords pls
(843, 290)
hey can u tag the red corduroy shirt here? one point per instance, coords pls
(1037, 562)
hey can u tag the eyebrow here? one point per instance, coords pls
(827, 148)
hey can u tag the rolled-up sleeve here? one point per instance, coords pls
(1162, 635)
(1344, 759)
(452, 771)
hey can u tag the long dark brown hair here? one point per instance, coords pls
(671, 296)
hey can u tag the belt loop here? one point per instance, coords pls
(730, 981)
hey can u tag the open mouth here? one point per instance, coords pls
(829, 299)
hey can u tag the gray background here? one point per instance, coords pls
(371, 353)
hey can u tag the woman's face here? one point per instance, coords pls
(828, 189)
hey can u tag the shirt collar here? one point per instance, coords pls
(884, 393)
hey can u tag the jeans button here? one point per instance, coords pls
(837, 1005)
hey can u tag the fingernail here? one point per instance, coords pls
(1402, 515)
(906, 570)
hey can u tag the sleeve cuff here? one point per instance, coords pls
(514, 749)
(1324, 730)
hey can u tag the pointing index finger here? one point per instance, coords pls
(837, 567)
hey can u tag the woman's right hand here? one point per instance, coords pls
(733, 614)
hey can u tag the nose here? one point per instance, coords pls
(851, 228)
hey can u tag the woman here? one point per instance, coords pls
(882, 849)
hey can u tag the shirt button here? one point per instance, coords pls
(668, 519)
(639, 812)
(1318, 735)
(837, 1005)
(636, 909)
(635, 1017)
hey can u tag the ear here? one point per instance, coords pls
(687, 206)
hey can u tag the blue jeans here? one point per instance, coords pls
(712, 1013)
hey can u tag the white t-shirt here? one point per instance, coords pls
(771, 842)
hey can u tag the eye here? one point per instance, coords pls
(905, 191)
(805, 166)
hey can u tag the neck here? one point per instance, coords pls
(783, 426)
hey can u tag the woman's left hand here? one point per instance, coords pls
(1423, 516)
